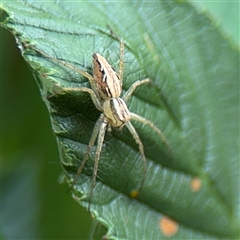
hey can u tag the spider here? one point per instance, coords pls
(105, 91)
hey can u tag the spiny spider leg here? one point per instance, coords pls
(101, 134)
(138, 118)
(130, 91)
(136, 137)
(85, 74)
(89, 147)
(82, 89)
(143, 120)
(98, 132)
(121, 62)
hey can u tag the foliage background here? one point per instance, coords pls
(29, 158)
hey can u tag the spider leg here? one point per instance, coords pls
(121, 62)
(130, 91)
(85, 74)
(88, 150)
(137, 139)
(79, 71)
(121, 55)
(150, 124)
(102, 125)
(82, 89)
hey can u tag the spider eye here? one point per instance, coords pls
(116, 111)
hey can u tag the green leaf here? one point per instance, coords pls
(224, 14)
(194, 100)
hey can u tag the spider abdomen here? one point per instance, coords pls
(116, 111)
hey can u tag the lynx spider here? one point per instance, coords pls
(106, 87)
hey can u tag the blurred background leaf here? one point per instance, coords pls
(225, 15)
(220, 148)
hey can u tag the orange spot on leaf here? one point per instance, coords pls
(134, 194)
(168, 226)
(196, 184)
